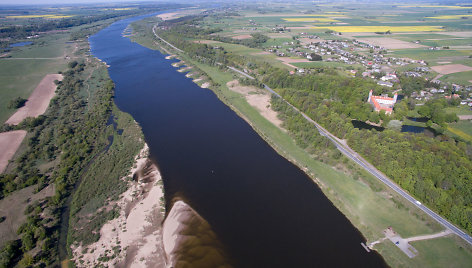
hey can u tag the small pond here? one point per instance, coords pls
(21, 44)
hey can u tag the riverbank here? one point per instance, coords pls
(134, 238)
(369, 205)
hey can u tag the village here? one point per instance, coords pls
(371, 61)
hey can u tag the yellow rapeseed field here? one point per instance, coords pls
(38, 16)
(310, 20)
(371, 29)
(449, 17)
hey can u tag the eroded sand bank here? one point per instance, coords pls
(137, 231)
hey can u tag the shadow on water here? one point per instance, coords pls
(363, 125)
(265, 210)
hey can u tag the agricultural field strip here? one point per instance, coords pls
(39, 100)
(9, 143)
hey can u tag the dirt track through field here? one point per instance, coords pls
(9, 143)
(38, 101)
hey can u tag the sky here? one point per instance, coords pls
(59, 2)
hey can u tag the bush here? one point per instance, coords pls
(16, 103)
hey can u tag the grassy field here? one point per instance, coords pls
(20, 74)
(461, 110)
(462, 129)
(431, 55)
(254, 54)
(464, 78)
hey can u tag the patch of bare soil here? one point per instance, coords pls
(168, 16)
(243, 36)
(9, 143)
(458, 34)
(279, 35)
(290, 60)
(39, 100)
(258, 99)
(206, 42)
(451, 68)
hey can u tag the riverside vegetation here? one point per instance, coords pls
(334, 100)
(82, 146)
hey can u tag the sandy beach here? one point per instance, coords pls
(258, 99)
(137, 232)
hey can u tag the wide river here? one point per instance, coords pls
(265, 210)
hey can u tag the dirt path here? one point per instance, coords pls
(9, 143)
(431, 236)
(38, 101)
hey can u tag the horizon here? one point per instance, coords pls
(77, 2)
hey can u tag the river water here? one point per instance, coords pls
(265, 210)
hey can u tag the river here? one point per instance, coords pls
(265, 210)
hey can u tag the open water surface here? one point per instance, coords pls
(265, 210)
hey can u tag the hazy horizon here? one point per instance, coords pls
(67, 2)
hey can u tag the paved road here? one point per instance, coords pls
(172, 46)
(344, 148)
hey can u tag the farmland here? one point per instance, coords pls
(370, 29)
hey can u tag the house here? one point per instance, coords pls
(385, 84)
(382, 102)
